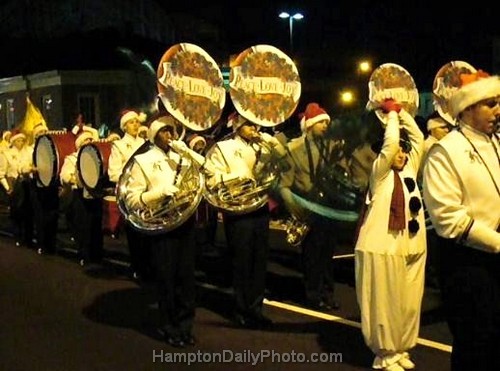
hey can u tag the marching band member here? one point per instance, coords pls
(121, 151)
(155, 177)
(307, 155)
(390, 251)
(462, 195)
(88, 210)
(247, 235)
(15, 170)
(45, 206)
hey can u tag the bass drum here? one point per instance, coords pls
(49, 153)
(92, 166)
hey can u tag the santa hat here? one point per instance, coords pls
(16, 134)
(475, 88)
(436, 122)
(312, 115)
(39, 129)
(160, 123)
(193, 139)
(235, 120)
(85, 133)
(130, 115)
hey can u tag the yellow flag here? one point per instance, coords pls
(32, 118)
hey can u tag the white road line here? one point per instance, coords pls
(329, 317)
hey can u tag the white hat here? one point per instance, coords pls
(130, 115)
(194, 139)
(85, 133)
(6, 133)
(16, 134)
(312, 115)
(235, 120)
(436, 122)
(475, 88)
(160, 123)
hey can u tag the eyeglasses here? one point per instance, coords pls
(415, 205)
(491, 103)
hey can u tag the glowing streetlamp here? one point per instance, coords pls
(291, 18)
(364, 67)
(347, 97)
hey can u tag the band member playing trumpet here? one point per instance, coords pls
(307, 156)
(88, 210)
(247, 235)
(155, 179)
(121, 151)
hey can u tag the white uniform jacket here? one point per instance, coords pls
(235, 158)
(374, 234)
(14, 163)
(462, 188)
(121, 150)
(154, 176)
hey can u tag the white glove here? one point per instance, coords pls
(483, 238)
(169, 190)
(179, 146)
(153, 197)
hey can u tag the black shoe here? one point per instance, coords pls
(320, 306)
(175, 341)
(334, 304)
(243, 321)
(189, 339)
(262, 321)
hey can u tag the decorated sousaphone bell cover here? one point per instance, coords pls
(264, 85)
(191, 86)
(390, 80)
(446, 82)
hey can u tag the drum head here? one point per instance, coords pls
(90, 166)
(264, 85)
(45, 160)
(392, 81)
(191, 86)
(446, 82)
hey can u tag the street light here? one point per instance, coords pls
(297, 16)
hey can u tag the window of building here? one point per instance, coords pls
(10, 113)
(88, 105)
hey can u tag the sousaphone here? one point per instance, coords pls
(265, 88)
(191, 88)
(446, 82)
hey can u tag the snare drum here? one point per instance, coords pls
(92, 165)
(49, 153)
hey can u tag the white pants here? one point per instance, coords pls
(389, 290)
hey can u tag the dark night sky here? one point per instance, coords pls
(421, 38)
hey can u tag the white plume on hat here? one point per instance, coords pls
(130, 115)
(473, 92)
(160, 123)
